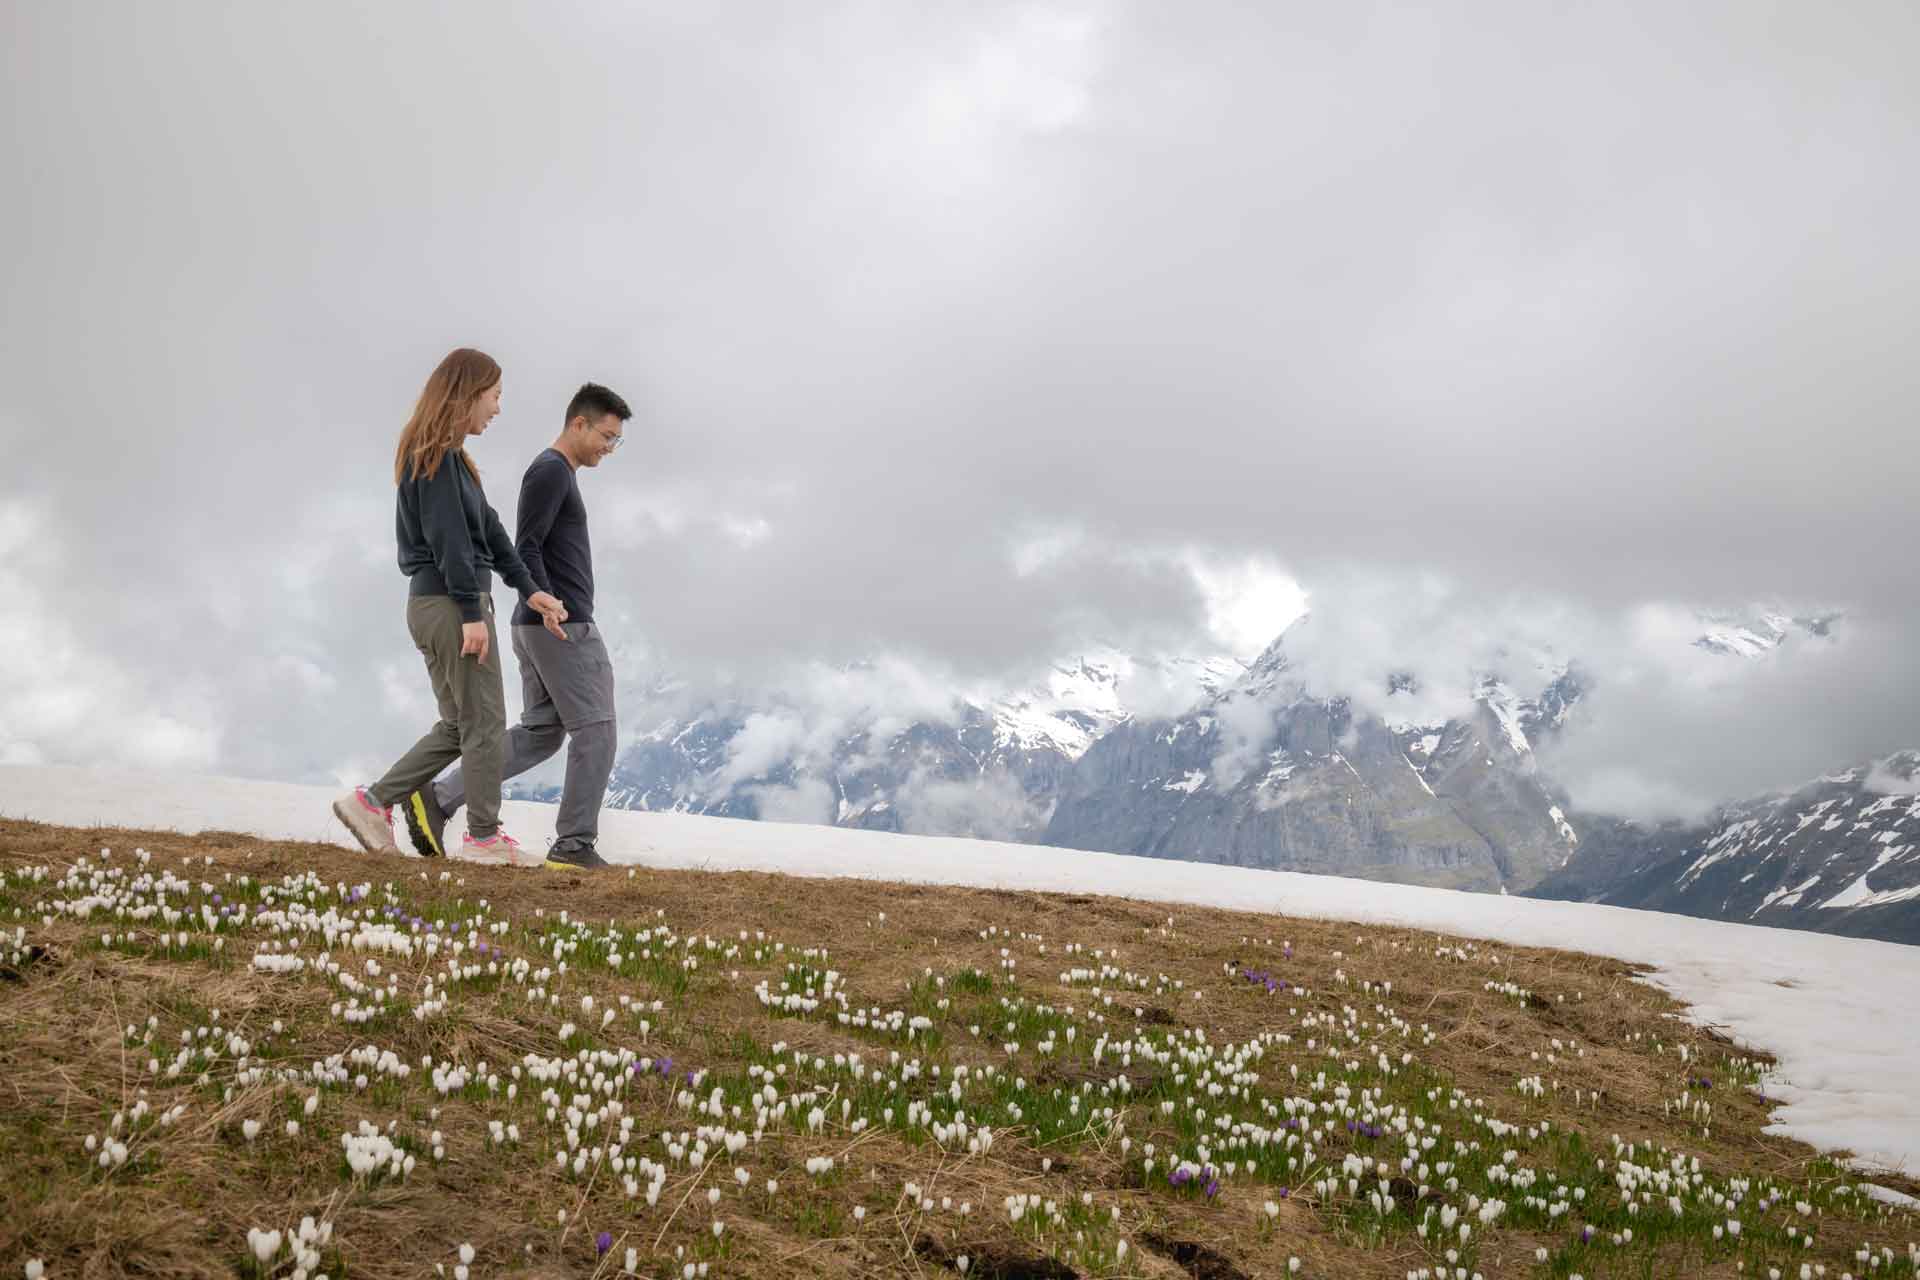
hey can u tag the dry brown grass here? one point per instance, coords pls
(65, 1068)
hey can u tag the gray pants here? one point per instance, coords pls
(473, 714)
(568, 688)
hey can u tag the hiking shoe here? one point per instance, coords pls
(575, 853)
(498, 849)
(371, 824)
(426, 823)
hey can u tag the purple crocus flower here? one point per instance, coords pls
(1213, 1187)
(666, 1066)
(603, 1242)
(1586, 1235)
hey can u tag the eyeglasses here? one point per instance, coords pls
(613, 441)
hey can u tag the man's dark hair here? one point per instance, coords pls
(596, 402)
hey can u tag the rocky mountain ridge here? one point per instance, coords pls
(1840, 854)
(1262, 770)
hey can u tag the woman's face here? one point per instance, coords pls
(485, 406)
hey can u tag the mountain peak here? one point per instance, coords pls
(1759, 633)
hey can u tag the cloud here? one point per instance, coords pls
(992, 806)
(1166, 687)
(1369, 623)
(65, 699)
(808, 800)
(1666, 727)
(764, 742)
(1891, 778)
(1245, 728)
(1247, 603)
(1674, 732)
(898, 293)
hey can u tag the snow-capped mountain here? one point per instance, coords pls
(1214, 760)
(1840, 854)
(1083, 699)
(990, 766)
(1759, 633)
(1270, 773)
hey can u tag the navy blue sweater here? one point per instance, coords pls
(551, 536)
(451, 542)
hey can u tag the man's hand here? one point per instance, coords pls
(473, 640)
(552, 612)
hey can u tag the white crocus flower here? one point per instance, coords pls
(265, 1244)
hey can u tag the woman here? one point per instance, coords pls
(451, 543)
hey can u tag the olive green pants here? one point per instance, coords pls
(473, 715)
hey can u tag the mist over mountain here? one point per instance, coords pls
(1443, 767)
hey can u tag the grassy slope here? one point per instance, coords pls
(1195, 1062)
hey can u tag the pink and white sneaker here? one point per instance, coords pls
(498, 849)
(370, 824)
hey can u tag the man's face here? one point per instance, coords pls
(599, 437)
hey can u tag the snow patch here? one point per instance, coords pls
(1858, 894)
(1189, 784)
(1506, 711)
(1786, 897)
(1561, 825)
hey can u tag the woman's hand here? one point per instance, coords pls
(552, 612)
(473, 640)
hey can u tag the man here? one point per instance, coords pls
(565, 672)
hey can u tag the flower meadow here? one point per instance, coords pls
(226, 1056)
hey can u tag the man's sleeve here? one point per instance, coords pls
(542, 491)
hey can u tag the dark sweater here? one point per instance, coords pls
(551, 536)
(451, 542)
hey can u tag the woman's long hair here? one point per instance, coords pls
(443, 414)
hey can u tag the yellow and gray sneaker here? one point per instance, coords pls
(426, 823)
(575, 853)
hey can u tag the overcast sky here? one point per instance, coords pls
(968, 334)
